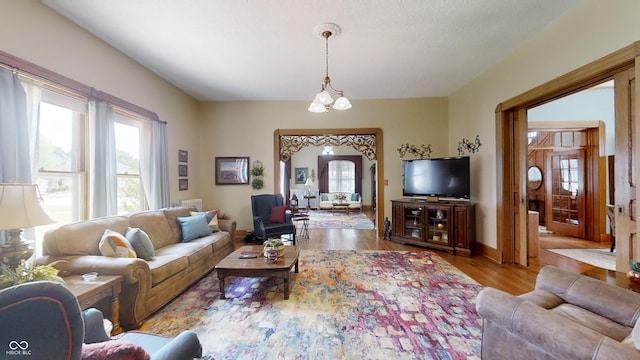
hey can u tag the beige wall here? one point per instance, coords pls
(33, 32)
(594, 29)
(246, 129)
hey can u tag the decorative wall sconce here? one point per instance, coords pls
(467, 145)
(422, 151)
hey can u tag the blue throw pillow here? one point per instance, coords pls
(140, 242)
(194, 227)
(355, 197)
(324, 197)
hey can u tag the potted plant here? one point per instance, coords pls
(257, 183)
(341, 197)
(257, 171)
(274, 244)
(29, 272)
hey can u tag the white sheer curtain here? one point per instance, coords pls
(15, 158)
(104, 182)
(154, 164)
(33, 90)
(342, 176)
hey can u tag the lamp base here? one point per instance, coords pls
(15, 250)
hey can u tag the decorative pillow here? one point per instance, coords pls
(194, 227)
(324, 197)
(355, 197)
(140, 242)
(114, 349)
(113, 244)
(212, 219)
(278, 214)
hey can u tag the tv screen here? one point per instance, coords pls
(447, 178)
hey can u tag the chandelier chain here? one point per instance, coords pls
(327, 34)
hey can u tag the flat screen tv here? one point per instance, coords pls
(445, 178)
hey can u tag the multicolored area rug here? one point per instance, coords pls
(339, 220)
(343, 305)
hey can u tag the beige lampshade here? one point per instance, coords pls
(20, 207)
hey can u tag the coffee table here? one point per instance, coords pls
(340, 207)
(232, 265)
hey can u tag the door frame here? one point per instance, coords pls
(377, 147)
(511, 137)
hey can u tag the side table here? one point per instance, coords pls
(89, 293)
(309, 197)
(304, 228)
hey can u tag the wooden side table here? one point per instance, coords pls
(89, 293)
(309, 197)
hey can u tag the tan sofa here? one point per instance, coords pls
(326, 200)
(147, 285)
(567, 316)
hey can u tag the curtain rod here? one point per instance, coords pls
(38, 73)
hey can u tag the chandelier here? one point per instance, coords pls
(328, 94)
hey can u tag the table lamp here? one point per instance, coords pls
(308, 183)
(19, 208)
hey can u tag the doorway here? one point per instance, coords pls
(368, 141)
(511, 137)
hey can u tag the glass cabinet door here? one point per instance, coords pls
(438, 222)
(413, 222)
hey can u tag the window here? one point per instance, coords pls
(130, 193)
(342, 176)
(60, 150)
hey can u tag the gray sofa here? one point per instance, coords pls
(567, 316)
(146, 285)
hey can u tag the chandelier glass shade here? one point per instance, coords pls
(328, 95)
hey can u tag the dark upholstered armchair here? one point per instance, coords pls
(42, 320)
(268, 219)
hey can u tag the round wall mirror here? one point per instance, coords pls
(534, 177)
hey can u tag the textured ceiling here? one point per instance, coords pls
(266, 50)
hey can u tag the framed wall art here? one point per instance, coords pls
(183, 184)
(182, 170)
(301, 175)
(232, 170)
(183, 156)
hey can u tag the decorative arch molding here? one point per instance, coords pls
(367, 141)
(364, 143)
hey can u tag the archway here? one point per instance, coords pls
(367, 141)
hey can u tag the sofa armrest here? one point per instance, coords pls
(591, 294)
(228, 226)
(558, 336)
(131, 269)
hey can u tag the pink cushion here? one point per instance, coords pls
(114, 349)
(277, 214)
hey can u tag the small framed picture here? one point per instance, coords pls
(183, 156)
(232, 170)
(183, 184)
(182, 170)
(301, 175)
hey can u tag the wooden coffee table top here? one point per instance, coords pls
(232, 261)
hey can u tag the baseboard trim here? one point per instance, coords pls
(489, 252)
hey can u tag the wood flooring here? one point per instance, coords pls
(514, 279)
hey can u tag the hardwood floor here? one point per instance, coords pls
(514, 279)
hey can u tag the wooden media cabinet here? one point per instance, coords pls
(443, 225)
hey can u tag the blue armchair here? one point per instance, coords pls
(43, 320)
(261, 206)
